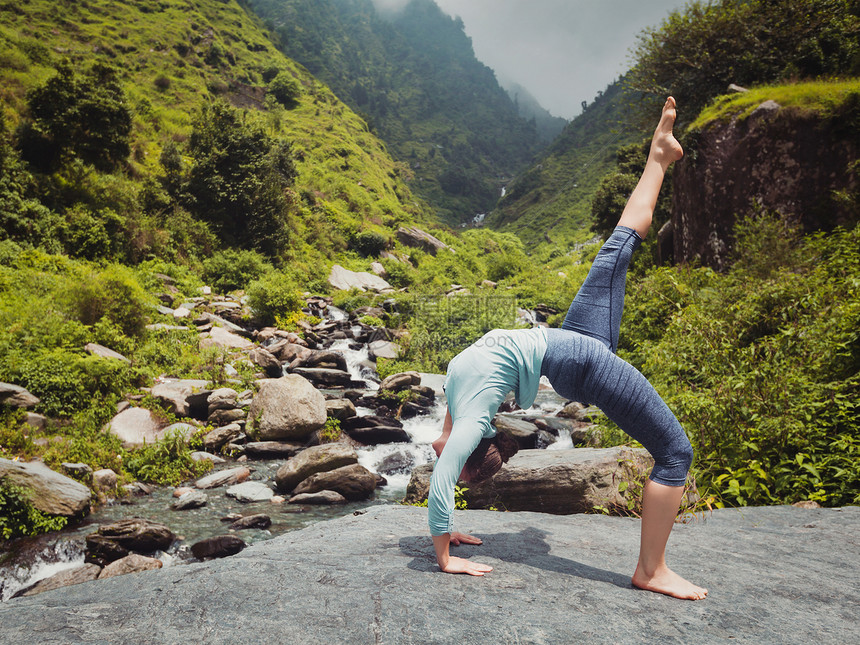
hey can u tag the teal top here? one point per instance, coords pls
(478, 380)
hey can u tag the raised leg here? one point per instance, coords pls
(664, 150)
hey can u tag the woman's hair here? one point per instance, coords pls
(488, 457)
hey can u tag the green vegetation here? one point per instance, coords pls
(331, 431)
(167, 461)
(18, 516)
(761, 364)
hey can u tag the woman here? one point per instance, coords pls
(580, 362)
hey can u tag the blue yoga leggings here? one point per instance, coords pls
(581, 364)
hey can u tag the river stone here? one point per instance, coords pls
(220, 337)
(16, 396)
(101, 550)
(286, 408)
(325, 376)
(104, 352)
(189, 500)
(396, 463)
(224, 398)
(136, 427)
(104, 479)
(400, 381)
(344, 279)
(138, 534)
(250, 492)
(131, 563)
(258, 521)
(53, 493)
(383, 349)
(226, 417)
(185, 429)
(327, 456)
(265, 360)
(65, 578)
(375, 435)
(340, 408)
(272, 449)
(320, 497)
(525, 433)
(36, 421)
(200, 455)
(82, 471)
(224, 477)
(574, 480)
(219, 546)
(174, 394)
(354, 482)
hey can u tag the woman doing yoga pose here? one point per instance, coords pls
(580, 362)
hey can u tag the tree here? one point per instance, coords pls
(239, 179)
(285, 88)
(84, 116)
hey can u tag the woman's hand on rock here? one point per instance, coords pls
(461, 565)
(462, 538)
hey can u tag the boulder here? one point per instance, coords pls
(53, 493)
(65, 578)
(132, 563)
(219, 546)
(227, 417)
(136, 427)
(199, 455)
(321, 497)
(268, 362)
(378, 434)
(396, 463)
(224, 398)
(525, 433)
(173, 394)
(78, 470)
(400, 381)
(220, 337)
(258, 521)
(383, 349)
(340, 408)
(354, 482)
(575, 480)
(286, 408)
(101, 550)
(272, 449)
(413, 236)
(250, 492)
(104, 479)
(189, 500)
(341, 278)
(223, 477)
(138, 534)
(104, 352)
(16, 396)
(325, 377)
(327, 456)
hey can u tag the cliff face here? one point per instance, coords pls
(778, 159)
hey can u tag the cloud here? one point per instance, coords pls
(562, 51)
(390, 6)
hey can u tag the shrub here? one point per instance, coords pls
(369, 243)
(285, 88)
(113, 293)
(274, 295)
(166, 462)
(18, 516)
(234, 269)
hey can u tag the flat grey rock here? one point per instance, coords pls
(776, 575)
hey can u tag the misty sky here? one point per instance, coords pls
(562, 51)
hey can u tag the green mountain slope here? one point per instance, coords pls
(551, 201)
(415, 76)
(172, 58)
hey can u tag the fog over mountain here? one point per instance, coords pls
(562, 51)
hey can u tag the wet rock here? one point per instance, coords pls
(138, 534)
(189, 500)
(224, 477)
(220, 546)
(248, 492)
(83, 573)
(525, 433)
(16, 396)
(53, 493)
(104, 352)
(340, 408)
(324, 377)
(132, 563)
(321, 359)
(272, 449)
(354, 482)
(286, 408)
(396, 463)
(215, 439)
(321, 497)
(378, 434)
(101, 550)
(181, 490)
(258, 521)
(314, 460)
(400, 381)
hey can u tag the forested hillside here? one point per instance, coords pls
(414, 76)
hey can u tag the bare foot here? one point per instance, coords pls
(668, 582)
(664, 146)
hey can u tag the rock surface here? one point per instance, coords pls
(52, 492)
(372, 578)
(286, 408)
(136, 427)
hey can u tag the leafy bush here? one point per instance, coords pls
(285, 88)
(166, 462)
(18, 516)
(113, 293)
(234, 269)
(274, 295)
(369, 243)
(331, 431)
